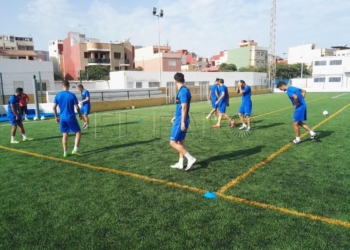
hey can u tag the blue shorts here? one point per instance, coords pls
(300, 114)
(13, 121)
(69, 126)
(245, 110)
(85, 109)
(213, 103)
(176, 133)
(222, 108)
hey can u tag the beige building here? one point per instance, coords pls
(80, 52)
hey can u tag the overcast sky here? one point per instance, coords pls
(202, 26)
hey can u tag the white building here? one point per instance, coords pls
(330, 74)
(141, 79)
(19, 74)
(306, 53)
(55, 54)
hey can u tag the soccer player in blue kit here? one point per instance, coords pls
(213, 97)
(222, 103)
(15, 117)
(180, 122)
(85, 105)
(67, 101)
(246, 107)
(297, 96)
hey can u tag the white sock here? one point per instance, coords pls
(75, 149)
(297, 138)
(181, 161)
(65, 152)
(312, 132)
(24, 136)
(208, 116)
(248, 128)
(188, 156)
(12, 138)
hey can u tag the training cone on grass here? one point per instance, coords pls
(210, 195)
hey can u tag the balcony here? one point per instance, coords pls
(97, 47)
(99, 61)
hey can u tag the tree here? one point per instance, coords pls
(58, 76)
(224, 67)
(139, 68)
(97, 72)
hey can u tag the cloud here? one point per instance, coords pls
(203, 26)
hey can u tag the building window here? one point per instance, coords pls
(153, 84)
(262, 53)
(258, 53)
(44, 86)
(12, 39)
(117, 55)
(138, 85)
(334, 79)
(189, 83)
(320, 63)
(335, 62)
(319, 79)
(86, 54)
(172, 63)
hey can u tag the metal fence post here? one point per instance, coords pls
(41, 88)
(149, 94)
(127, 93)
(102, 96)
(2, 90)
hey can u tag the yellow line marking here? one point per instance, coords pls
(287, 108)
(286, 211)
(234, 182)
(185, 187)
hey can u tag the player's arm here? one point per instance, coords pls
(184, 108)
(296, 100)
(216, 94)
(87, 98)
(209, 95)
(78, 110)
(13, 109)
(303, 92)
(54, 108)
(241, 91)
(221, 97)
(228, 99)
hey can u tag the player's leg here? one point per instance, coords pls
(248, 113)
(82, 110)
(13, 132)
(65, 144)
(222, 110)
(23, 132)
(232, 122)
(313, 135)
(241, 118)
(75, 128)
(25, 113)
(296, 131)
(219, 120)
(86, 121)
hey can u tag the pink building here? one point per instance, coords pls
(148, 59)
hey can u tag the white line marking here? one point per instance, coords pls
(340, 95)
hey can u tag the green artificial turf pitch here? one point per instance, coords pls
(46, 203)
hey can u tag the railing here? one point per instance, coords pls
(110, 95)
(99, 60)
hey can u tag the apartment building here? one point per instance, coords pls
(248, 54)
(80, 53)
(56, 55)
(148, 59)
(306, 53)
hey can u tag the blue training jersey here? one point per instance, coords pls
(13, 100)
(183, 96)
(84, 94)
(66, 101)
(213, 90)
(223, 89)
(246, 97)
(294, 90)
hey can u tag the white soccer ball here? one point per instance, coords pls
(42, 118)
(35, 118)
(325, 112)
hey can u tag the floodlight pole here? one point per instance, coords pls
(160, 14)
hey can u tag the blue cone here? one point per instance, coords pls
(140, 119)
(210, 195)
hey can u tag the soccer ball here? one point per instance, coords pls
(35, 118)
(42, 118)
(325, 112)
